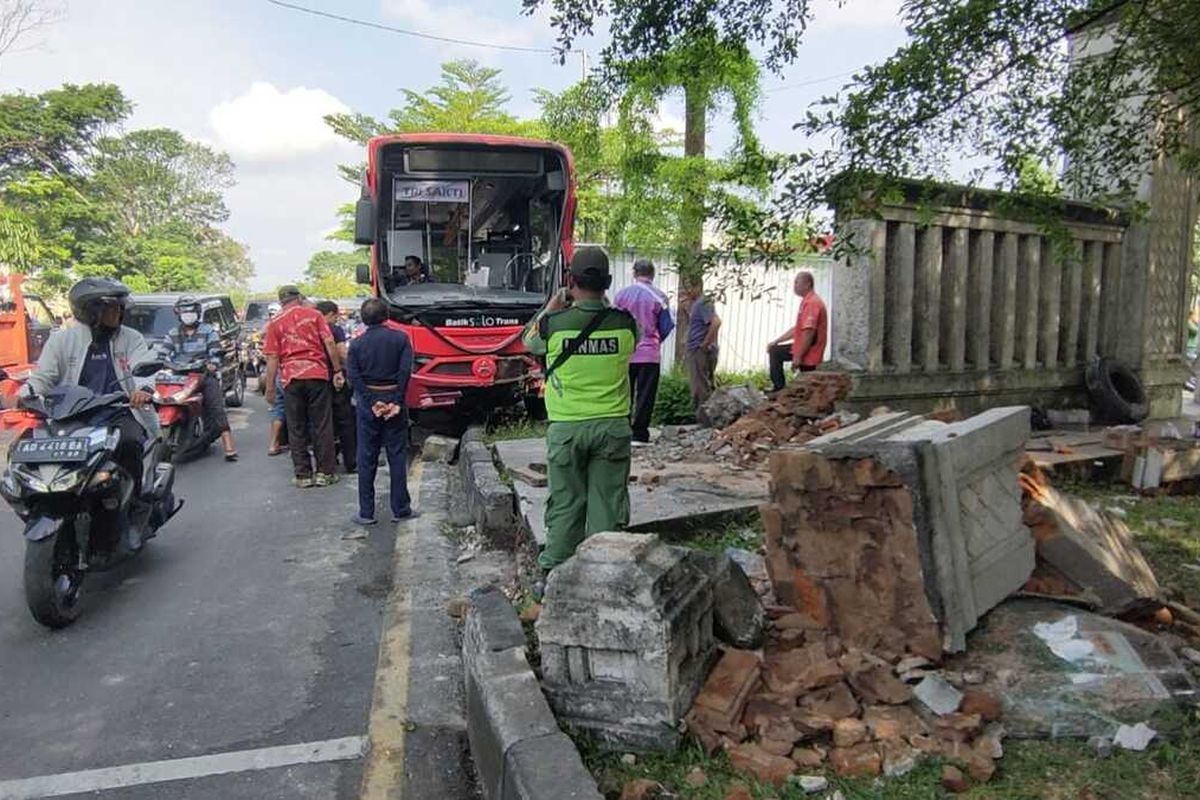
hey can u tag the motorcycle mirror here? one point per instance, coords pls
(148, 368)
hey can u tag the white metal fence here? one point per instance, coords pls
(751, 316)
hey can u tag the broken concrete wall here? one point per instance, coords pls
(626, 637)
(915, 521)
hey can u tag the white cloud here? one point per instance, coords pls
(465, 23)
(266, 124)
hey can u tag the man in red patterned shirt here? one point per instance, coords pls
(300, 342)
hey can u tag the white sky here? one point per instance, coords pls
(254, 80)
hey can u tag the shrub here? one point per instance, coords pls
(758, 378)
(673, 405)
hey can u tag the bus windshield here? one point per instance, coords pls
(491, 232)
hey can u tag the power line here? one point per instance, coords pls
(418, 34)
(813, 82)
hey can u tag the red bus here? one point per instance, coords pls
(488, 220)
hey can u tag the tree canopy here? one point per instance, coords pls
(78, 198)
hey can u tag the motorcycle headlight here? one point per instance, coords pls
(66, 480)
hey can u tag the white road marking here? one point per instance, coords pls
(178, 769)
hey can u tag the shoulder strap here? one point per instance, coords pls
(572, 347)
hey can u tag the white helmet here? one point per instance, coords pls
(273, 309)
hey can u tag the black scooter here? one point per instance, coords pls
(83, 510)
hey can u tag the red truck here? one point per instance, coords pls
(490, 219)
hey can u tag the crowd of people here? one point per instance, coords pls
(601, 375)
(336, 395)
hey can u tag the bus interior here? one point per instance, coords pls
(485, 218)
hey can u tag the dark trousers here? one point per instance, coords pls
(346, 427)
(781, 354)
(214, 404)
(643, 386)
(309, 405)
(390, 435)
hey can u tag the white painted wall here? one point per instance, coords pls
(747, 322)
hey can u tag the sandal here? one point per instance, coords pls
(231, 456)
(274, 451)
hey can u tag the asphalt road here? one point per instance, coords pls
(249, 623)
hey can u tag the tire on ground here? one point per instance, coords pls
(1117, 393)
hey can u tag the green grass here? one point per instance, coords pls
(519, 428)
(1029, 770)
(743, 531)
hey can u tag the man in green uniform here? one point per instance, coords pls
(587, 344)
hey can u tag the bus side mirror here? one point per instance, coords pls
(362, 274)
(364, 222)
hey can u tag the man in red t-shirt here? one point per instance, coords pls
(803, 345)
(300, 342)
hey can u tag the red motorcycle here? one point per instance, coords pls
(179, 399)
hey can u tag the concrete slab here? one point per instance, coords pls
(657, 494)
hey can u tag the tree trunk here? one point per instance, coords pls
(691, 239)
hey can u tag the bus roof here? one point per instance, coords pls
(377, 143)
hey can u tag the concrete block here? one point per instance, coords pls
(738, 616)
(492, 623)
(516, 744)
(626, 639)
(547, 768)
(439, 449)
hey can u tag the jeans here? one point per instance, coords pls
(643, 384)
(309, 404)
(390, 435)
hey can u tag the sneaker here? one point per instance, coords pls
(640, 443)
(324, 479)
(303, 483)
(358, 519)
(405, 517)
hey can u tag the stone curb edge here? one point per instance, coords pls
(491, 504)
(520, 753)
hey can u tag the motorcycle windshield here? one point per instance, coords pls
(67, 402)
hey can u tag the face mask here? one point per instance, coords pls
(189, 318)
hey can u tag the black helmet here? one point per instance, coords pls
(188, 303)
(88, 294)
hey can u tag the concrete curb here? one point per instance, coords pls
(491, 504)
(519, 751)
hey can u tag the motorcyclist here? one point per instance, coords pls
(101, 354)
(192, 340)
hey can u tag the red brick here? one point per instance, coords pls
(720, 702)
(779, 736)
(958, 727)
(835, 702)
(862, 759)
(848, 732)
(985, 704)
(738, 791)
(953, 780)
(765, 766)
(641, 789)
(808, 757)
(879, 685)
(893, 723)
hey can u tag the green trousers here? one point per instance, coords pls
(588, 475)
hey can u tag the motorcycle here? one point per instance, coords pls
(253, 358)
(77, 501)
(179, 399)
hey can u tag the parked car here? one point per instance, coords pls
(153, 315)
(40, 323)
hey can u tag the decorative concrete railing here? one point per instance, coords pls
(961, 305)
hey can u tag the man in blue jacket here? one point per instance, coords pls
(378, 367)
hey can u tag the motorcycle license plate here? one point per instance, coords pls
(47, 451)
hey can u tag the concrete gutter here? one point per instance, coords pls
(491, 505)
(519, 751)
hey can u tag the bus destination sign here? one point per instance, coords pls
(433, 191)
